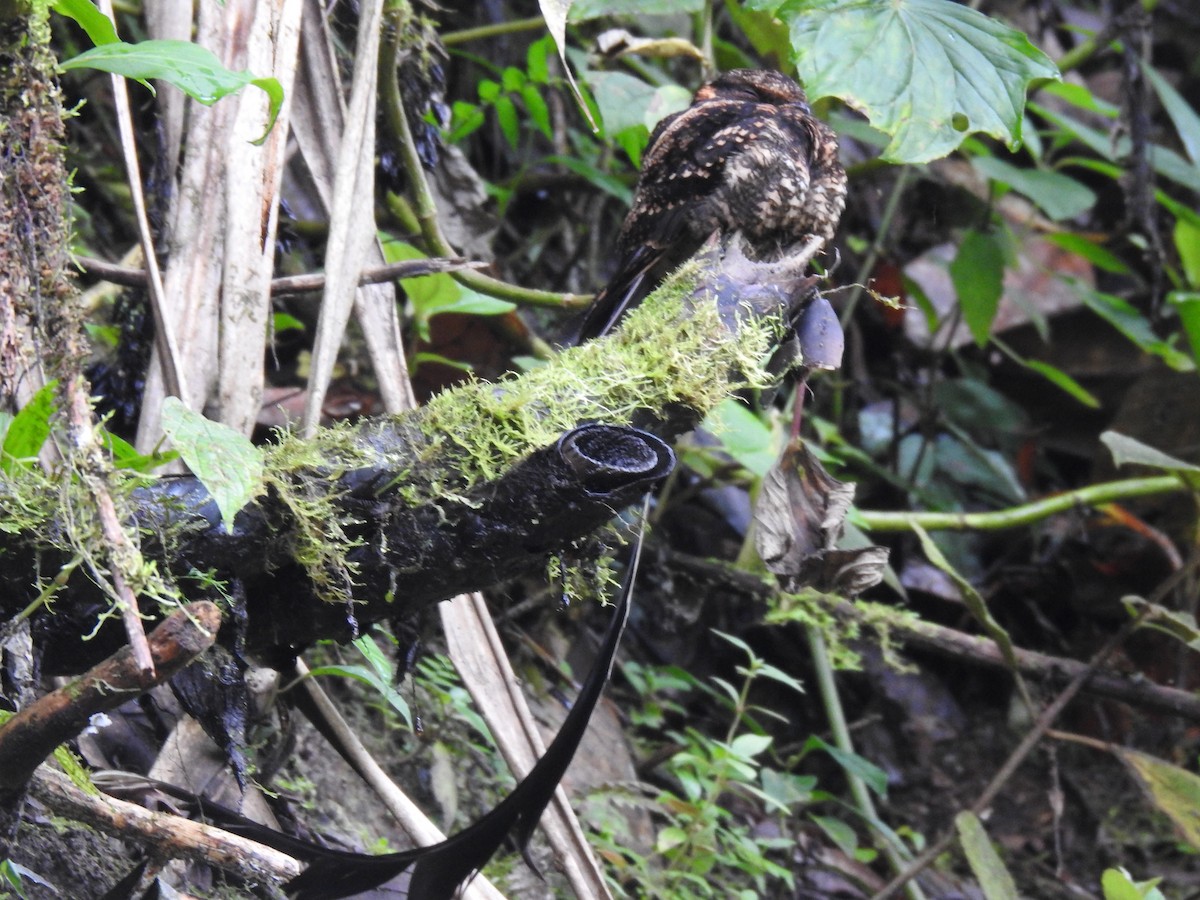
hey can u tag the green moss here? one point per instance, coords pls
(668, 353)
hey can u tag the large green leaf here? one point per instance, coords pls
(978, 275)
(995, 880)
(28, 430)
(1059, 196)
(98, 26)
(191, 68)
(224, 460)
(925, 72)
(626, 101)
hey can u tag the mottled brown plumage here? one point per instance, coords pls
(746, 156)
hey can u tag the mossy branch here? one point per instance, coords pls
(486, 482)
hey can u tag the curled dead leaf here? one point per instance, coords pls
(800, 516)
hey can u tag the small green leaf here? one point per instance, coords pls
(748, 746)
(1123, 316)
(766, 670)
(1062, 380)
(736, 641)
(1059, 196)
(125, 455)
(1118, 885)
(1130, 451)
(14, 875)
(873, 776)
(926, 72)
(282, 321)
(1187, 304)
(224, 460)
(633, 141)
(512, 79)
(1091, 251)
(1179, 624)
(488, 90)
(1183, 115)
(995, 880)
(28, 430)
(670, 838)
(1187, 242)
(1053, 374)
(744, 436)
(473, 303)
(536, 60)
(98, 26)
(786, 789)
(419, 359)
(372, 680)
(978, 275)
(735, 697)
(506, 115)
(191, 68)
(431, 295)
(1173, 790)
(464, 119)
(538, 111)
(839, 832)
(610, 184)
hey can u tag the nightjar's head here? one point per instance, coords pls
(754, 86)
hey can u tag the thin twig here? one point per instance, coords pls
(164, 332)
(481, 32)
(130, 276)
(163, 833)
(881, 235)
(32, 734)
(1137, 692)
(123, 557)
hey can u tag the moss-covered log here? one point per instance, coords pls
(376, 521)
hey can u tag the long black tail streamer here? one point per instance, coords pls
(438, 871)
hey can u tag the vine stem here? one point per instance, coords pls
(1026, 514)
(498, 29)
(426, 209)
(889, 843)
